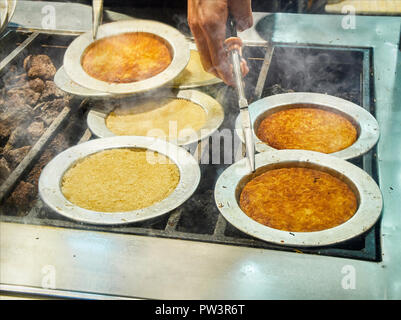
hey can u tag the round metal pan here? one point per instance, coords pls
(66, 84)
(12, 4)
(176, 41)
(214, 116)
(3, 14)
(62, 81)
(7, 8)
(366, 125)
(194, 82)
(231, 182)
(51, 178)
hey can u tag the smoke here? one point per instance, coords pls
(315, 69)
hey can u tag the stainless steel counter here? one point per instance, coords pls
(71, 263)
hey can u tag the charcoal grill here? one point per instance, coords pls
(344, 68)
(198, 218)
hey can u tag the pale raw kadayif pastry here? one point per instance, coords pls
(307, 129)
(298, 200)
(127, 57)
(194, 72)
(120, 180)
(169, 118)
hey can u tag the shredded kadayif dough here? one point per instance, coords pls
(298, 200)
(307, 129)
(119, 180)
(158, 118)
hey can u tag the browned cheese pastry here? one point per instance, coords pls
(307, 129)
(126, 58)
(298, 200)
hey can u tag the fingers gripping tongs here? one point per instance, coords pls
(233, 45)
(97, 16)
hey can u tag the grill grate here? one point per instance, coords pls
(198, 219)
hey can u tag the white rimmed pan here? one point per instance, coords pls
(51, 177)
(66, 84)
(231, 182)
(62, 81)
(214, 116)
(366, 125)
(3, 14)
(192, 81)
(176, 41)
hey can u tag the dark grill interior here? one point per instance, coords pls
(343, 72)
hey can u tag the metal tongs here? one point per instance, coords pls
(97, 16)
(233, 45)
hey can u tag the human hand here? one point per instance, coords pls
(207, 20)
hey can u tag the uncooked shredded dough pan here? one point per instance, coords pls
(50, 180)
(214, 115)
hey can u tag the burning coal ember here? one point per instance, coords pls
(4, 170)
(29, 102)
(27, 188)
(15, 156)
(39, 66)
(21, 198)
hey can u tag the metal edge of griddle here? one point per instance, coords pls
(218, 236)
(26, 293)
(67, 25)
(368, 101)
